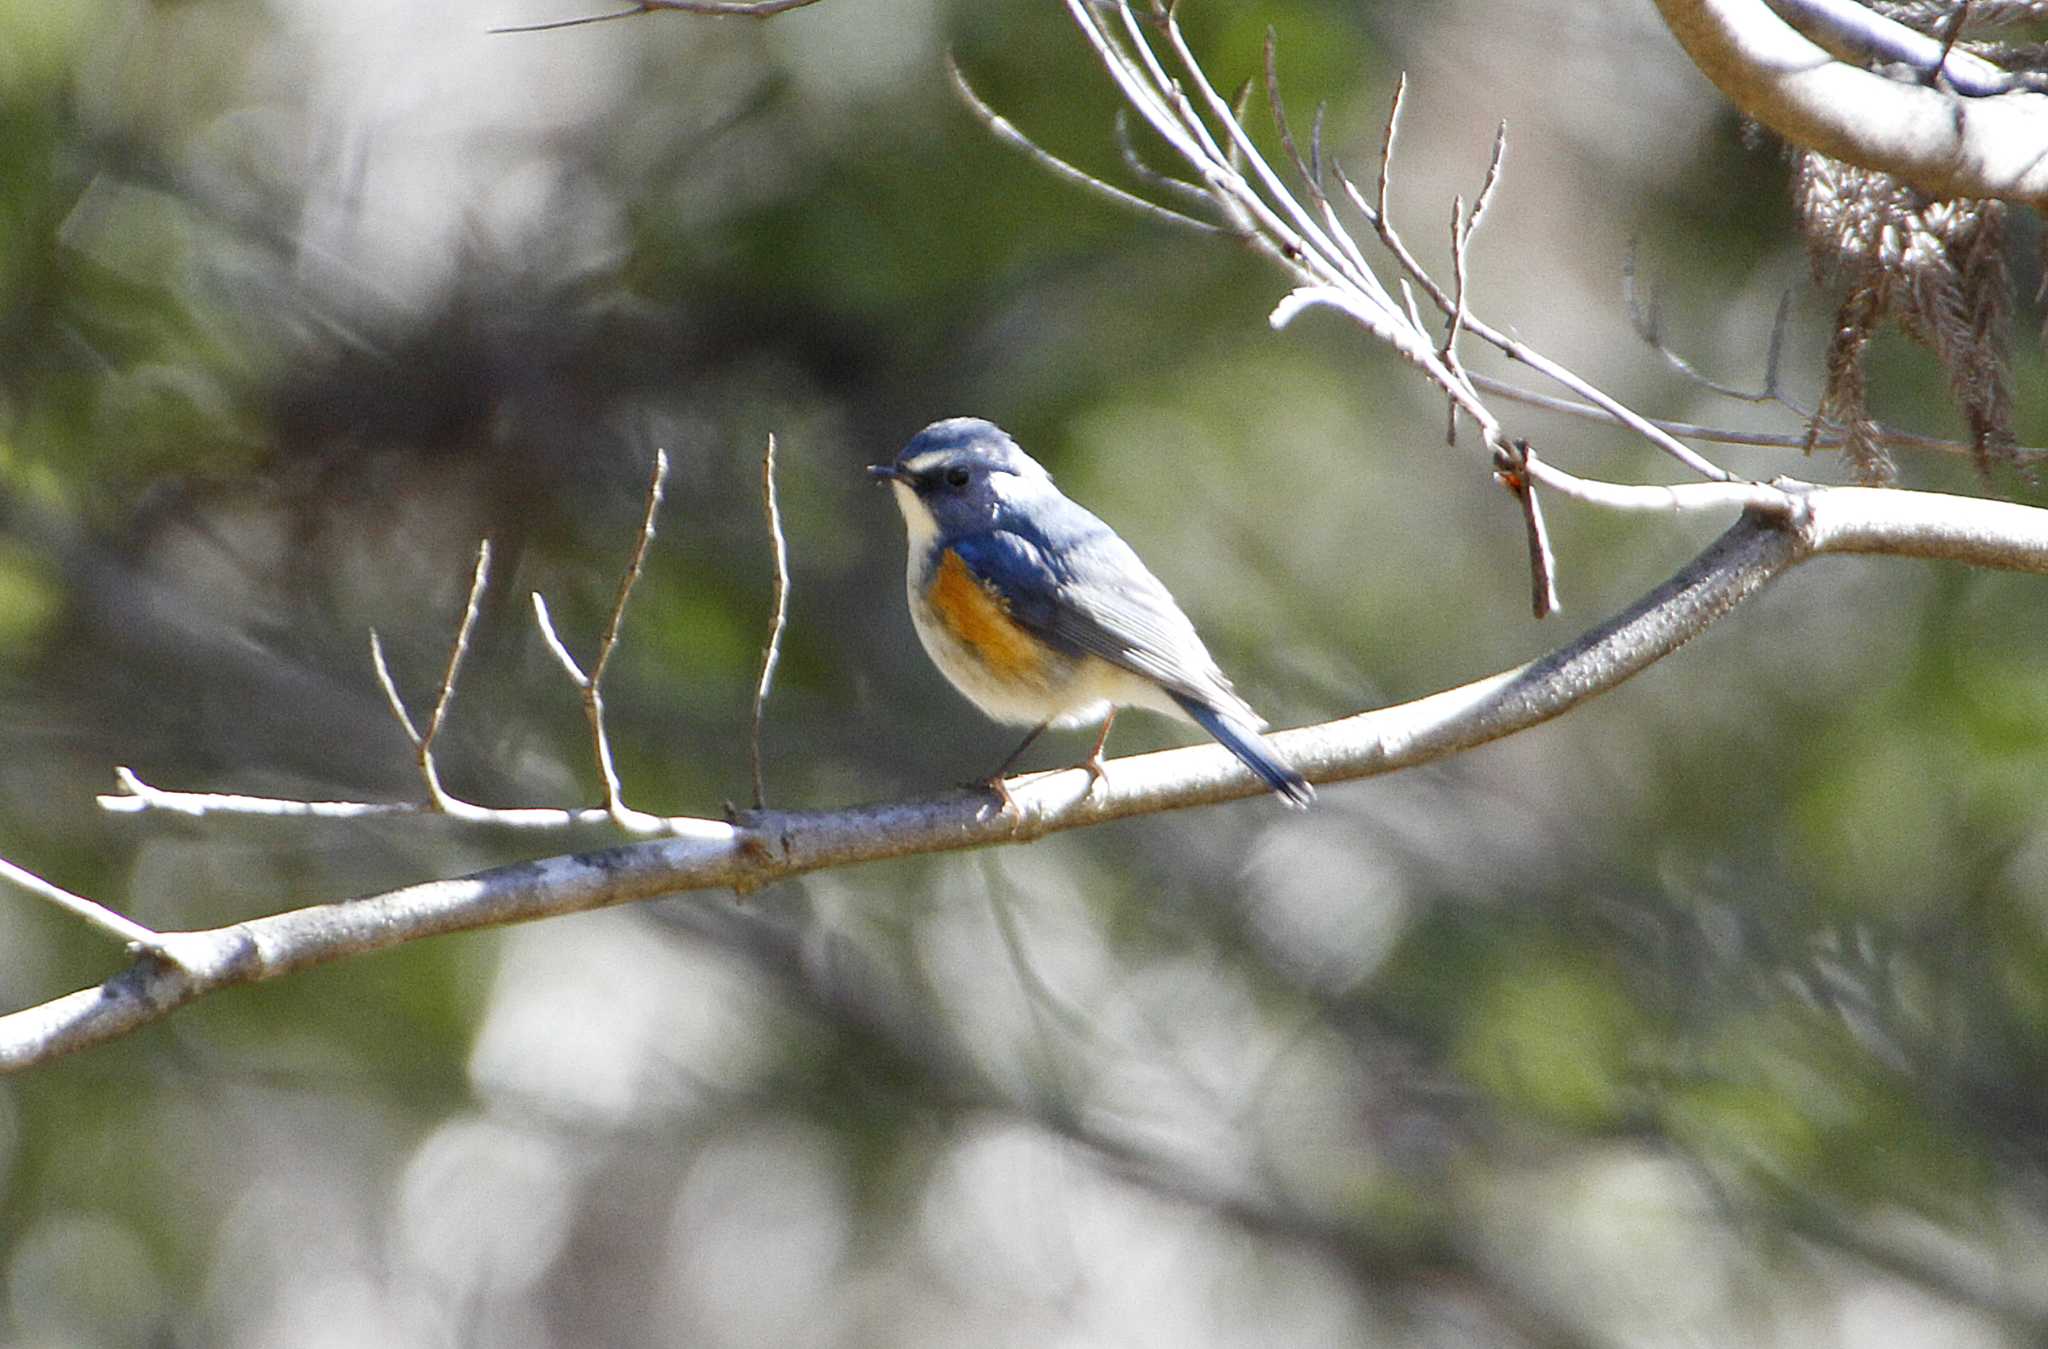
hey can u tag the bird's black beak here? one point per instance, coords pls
(887, 473)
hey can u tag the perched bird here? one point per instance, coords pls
(1040, 615)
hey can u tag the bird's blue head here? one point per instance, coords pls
(957, 476)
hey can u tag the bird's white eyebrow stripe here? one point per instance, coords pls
(926, 462)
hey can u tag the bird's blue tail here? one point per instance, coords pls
(1248, 745)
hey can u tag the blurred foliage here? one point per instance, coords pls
(1712, 1014)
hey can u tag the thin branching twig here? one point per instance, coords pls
(1313, 245)
(1828, 437)
(1120, 129)
(1511, 347)
(392, 697)
(135, 795)
(1646, 318)
(590, 685)
(423, 739)
(1307, 236)
(1006, 131)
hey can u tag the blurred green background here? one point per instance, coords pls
(1712, 1014)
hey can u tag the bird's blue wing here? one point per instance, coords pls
(1086, 592)
(1017, 572)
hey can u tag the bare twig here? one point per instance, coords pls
(772, 652)
(1463, 227)
(457, 650)
(741, 9)
(91, 912)
(1518, 350)
(1951, 31)
(657, 484)
(1646, 318)
(1494, 164)
(392, 697)
(136, 796)
(1376, 213)
(1006, 132)
(1775, 500)
(1237, 107)
(551, 25)
(545, 621)
(1827, 438)
(1775, 354)
(1448, 350)
(738, 9)
(592, 696)
(1514, 474)
(1277, 107)
(1318, 253)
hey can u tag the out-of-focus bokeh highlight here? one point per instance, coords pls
(1713, 1014)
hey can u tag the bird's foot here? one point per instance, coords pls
(1098, 776)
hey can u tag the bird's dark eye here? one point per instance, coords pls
(956, 476)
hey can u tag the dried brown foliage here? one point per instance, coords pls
(1936, 267)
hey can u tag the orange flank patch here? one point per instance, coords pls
(981, 620)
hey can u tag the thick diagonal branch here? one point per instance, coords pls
(1943, 144)
(717, 856)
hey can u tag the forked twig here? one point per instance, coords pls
(1646, 317)
(1463, 227)
(1509, 460)
(135, 795)
(423, 740)
(1513, 348)
(1120, 130)
(591, 685)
